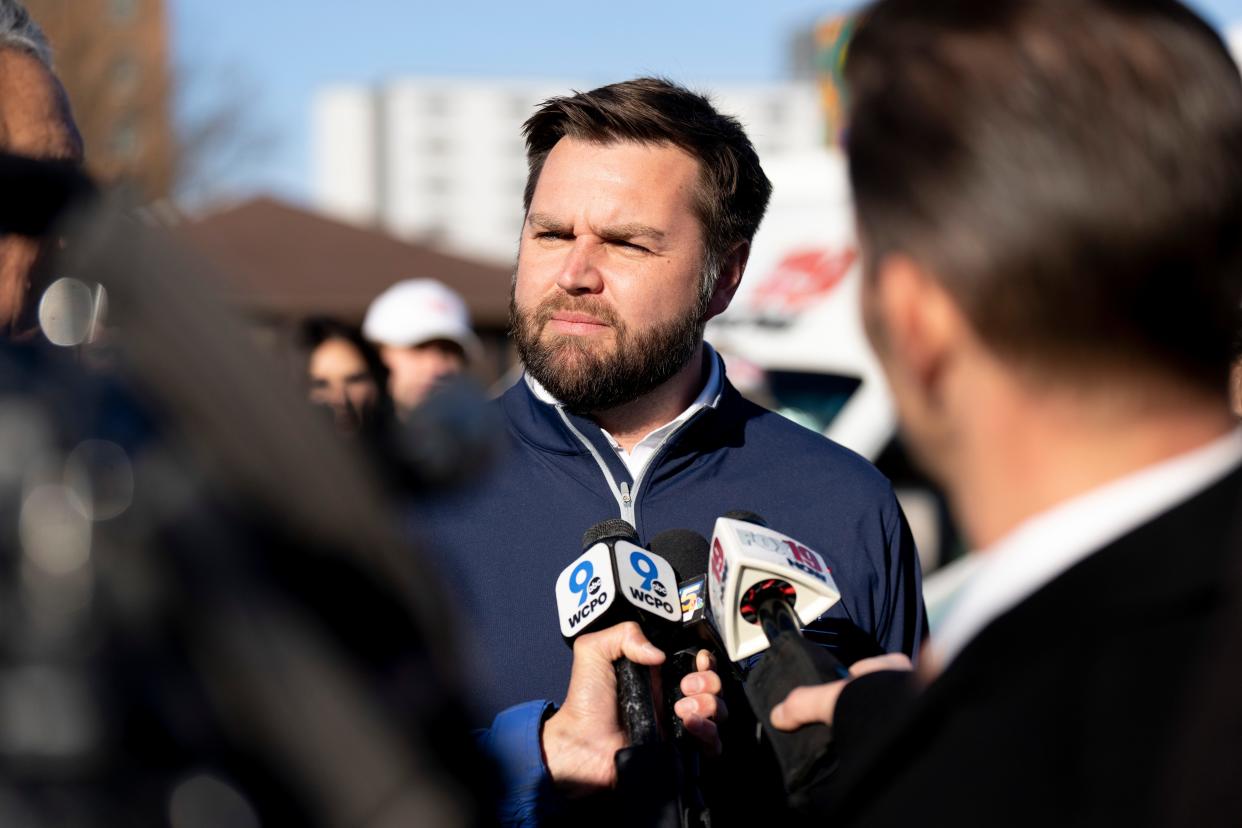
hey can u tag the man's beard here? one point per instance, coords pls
(579, 374)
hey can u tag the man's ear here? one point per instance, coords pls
(923, 326)
(729, 279)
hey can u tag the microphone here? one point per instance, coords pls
(761, 569)
(448, 440)
(762, 587)
(616, 580)
(687, 551)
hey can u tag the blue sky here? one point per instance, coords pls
(267, 57)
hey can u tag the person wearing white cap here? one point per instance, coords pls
(422, 329)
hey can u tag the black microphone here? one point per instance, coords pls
(38, 192)
(687, 551)
(448, 440)
(744, 515)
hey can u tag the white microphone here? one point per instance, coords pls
(615, 570)
(647, 581)
(763, 587)
(746, 559)
(585, 590)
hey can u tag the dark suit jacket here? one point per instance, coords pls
(1068, 709)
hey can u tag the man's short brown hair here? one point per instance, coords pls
(733, 190)
(1070, 170)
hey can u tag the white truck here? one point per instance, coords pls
(793, 337)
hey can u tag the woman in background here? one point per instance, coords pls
(346, 376)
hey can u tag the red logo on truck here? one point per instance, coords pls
(801, 278)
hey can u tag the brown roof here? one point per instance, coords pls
(279, 260)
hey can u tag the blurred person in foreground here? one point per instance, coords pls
(640, 206)
(211, 613)
(35, 122)
(422, 330)
(1235, 386)
(1049, 200)
(345, 375)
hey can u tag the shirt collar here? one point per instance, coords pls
(1050, 543)
(709, 397)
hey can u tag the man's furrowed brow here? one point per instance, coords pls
(547, 222)
(632, 230)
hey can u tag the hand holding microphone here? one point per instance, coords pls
(581, 739)
(694, 646)
(701, 707)
(816, 704)
(609, 707)
(617, 580)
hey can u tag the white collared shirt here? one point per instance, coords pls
(1042, 547)
(636, 459)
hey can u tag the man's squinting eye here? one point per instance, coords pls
(630, 245)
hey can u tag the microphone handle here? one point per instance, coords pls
(791, 661)
(635, 703)
(647, 769)
(680, 664)
(779, 621)
(693, 808)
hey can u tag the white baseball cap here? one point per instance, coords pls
(415, 311)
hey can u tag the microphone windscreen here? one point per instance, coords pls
(36, 192)
(611, 529)
(685, 549)
(749, 517)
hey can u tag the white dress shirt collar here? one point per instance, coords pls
(1046, 545)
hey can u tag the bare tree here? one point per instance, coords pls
(113, 58)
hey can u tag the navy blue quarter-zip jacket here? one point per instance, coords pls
(501, 543)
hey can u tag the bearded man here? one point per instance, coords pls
(641, 204)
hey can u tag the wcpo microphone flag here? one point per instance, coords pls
(745, 557)
(614, 568)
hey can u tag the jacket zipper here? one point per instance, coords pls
(624, 501)
(626, 498)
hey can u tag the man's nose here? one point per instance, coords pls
(579, 272)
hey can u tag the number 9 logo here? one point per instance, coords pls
(579, 579)
(645, 567)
